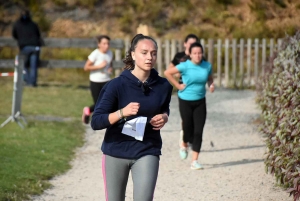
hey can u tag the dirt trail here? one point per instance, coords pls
(234, 168)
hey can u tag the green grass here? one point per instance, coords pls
(64, 98)
(30, 157)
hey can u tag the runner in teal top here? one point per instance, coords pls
(194, 76)
(196, 73)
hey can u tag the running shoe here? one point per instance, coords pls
(196, 166)
(86, 115)
(183, 152)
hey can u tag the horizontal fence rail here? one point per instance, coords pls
(9, 63)
(117, 44)
(65, 42)
(236, 63)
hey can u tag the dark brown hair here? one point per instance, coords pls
(129, 62)
(196, 44)
(100, 37)
(191, 36)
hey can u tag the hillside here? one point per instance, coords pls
(168, 18)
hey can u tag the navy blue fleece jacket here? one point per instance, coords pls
(154, 97)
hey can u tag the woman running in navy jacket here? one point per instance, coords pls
(138, 92)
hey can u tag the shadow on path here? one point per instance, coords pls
(235, 148)
(233, 163)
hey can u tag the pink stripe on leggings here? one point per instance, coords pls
(104, 176)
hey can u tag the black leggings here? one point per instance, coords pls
(95, 90)
(193, 115)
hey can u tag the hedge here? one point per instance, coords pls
(279, 100)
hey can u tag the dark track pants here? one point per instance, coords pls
(193, 115)
(95, 87)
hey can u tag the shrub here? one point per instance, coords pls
(75, 3)
(280, 3)
(279, 100)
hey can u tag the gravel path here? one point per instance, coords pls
(234, 168)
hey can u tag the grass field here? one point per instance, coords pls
(30, 157)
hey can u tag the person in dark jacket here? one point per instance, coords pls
(138, 93)
(27, 33)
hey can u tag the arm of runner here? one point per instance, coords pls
(110, 69)
(169, 75)
(171, 65)
(158, 121)
(104, 114)
(210, 83)
(89, 65)
(131, 109)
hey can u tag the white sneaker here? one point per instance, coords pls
(196, 166)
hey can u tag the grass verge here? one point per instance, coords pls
(61, 98)
(30, 157)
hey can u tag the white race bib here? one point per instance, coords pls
(135, 128)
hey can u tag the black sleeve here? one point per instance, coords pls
(166, 106)
(175, 60)
(179, 57)
(38, 34)
(38, 31)
(14, 32)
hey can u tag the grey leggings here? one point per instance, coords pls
(144, 175)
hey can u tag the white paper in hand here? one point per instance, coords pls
(135, 128)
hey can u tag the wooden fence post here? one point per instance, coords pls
(226, 62)
(210, 51)
(279, 44)
(167, 53)
(219, 73)
(271, 47)
(263, 58)
(249, 55)
(242, 63)
(117, 58)
(159, 57)
(234, 61)
(173, 48)
(256, 50)
(127, 45)
(202, 42)
(180, 46)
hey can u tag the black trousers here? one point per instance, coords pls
(95, 91)
(193, 115)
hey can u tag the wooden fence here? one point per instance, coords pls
(235, 62)
(116, 44)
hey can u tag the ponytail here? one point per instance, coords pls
(128, 61)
